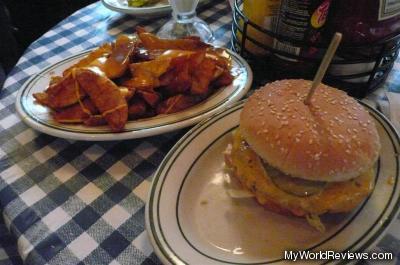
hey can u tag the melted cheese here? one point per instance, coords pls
(335, 197)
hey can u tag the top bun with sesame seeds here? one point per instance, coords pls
(332, 139)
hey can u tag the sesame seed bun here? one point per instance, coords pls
(332, 139)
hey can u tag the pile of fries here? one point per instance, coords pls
(136, 77)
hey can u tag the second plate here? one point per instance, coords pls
(39, 118)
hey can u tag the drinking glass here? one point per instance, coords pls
(185, 22)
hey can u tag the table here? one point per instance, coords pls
(71, 202)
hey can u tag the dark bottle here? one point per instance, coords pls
(300, 27)
(363, 23)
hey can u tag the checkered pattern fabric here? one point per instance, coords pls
(68, 202)
(71, 202)
(8, 247)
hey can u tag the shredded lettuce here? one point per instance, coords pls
(239, 193)
(315, 222)
(139, 3)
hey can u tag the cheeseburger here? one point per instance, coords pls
(304, 160)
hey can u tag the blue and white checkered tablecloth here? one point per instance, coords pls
(70, 202)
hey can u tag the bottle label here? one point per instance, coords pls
(301, 20)
(281, 46)
(388, 9)
(318, 18)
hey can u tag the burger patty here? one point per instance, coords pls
(333, 197)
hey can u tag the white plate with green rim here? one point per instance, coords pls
(39, 118)
(191, 219)
(159, 8)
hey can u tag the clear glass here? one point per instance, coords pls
(185, 22)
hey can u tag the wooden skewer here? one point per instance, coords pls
(324, 65)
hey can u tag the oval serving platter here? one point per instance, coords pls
(191, 219)
(38, 117)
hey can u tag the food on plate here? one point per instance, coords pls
(118, 62)
(304, 160)
(139, 3)
(136, 77)
(152, 42)
(105, 96)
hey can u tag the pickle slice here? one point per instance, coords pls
(295, 186)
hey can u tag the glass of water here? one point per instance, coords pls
(185, 22)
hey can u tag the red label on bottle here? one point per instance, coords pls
(319, 16)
